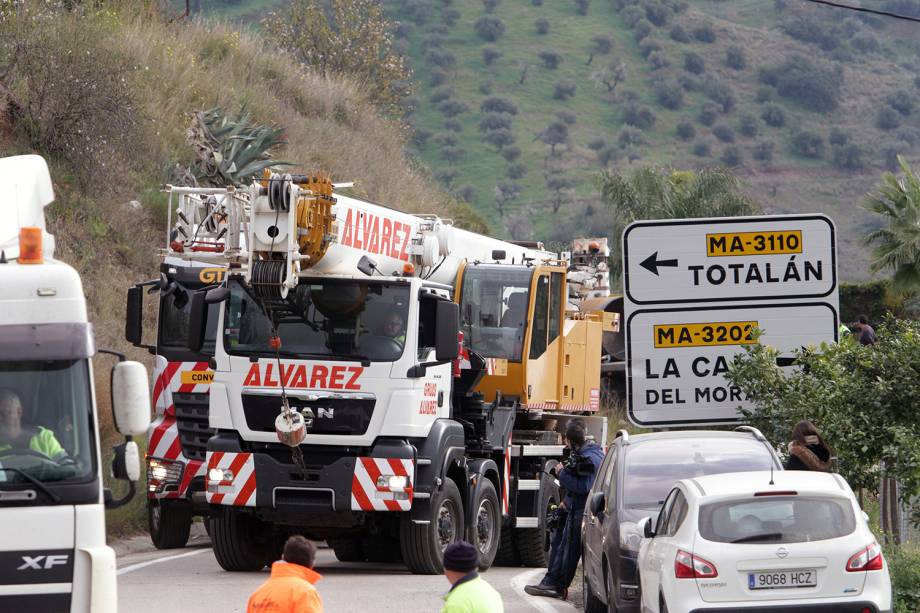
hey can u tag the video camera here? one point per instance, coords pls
(576, 462)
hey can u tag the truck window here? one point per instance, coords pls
(493, 310)
(327, 318)
(556, 298)
(173, 328)
(46, 421)
(540, 318)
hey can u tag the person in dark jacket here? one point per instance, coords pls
(576, 477)
(808, 451)
(865, 334)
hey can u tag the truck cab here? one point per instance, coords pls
(53, 552)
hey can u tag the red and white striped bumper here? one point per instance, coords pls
(234, 479)
(377, 484)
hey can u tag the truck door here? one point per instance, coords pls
(542, 358)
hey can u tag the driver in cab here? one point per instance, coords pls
(14, 435)
(393, 327)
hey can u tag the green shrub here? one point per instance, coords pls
(669, 95)
(708, 114)
(705, 34)
(838, 137)
(641, 30)
(639, 116)
(452, 108)
(658, 14)
(441, 94)
(694, 63)
(701, 150)
(490, 54)
(724, 133)
(495, 121)
(597, 144)
(814, 86)
(581, 6)
(453, 125)
(511, 153)
(630, 137)
(774, 116)
(887, 119)
(734, 58)
(541, 25)
(686, 131)
(720, 92)
(658, 60)
(749, 125)
(904, 566)
(516, 171)
(550, 59)
(648, 47)
(808, 144)
(678, 34)
(563, 89)
(497, 104)
(902, 101)
(489, 28)
(566, 117)
(489, 5)
(849, 157)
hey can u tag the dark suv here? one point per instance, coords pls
(635, 478)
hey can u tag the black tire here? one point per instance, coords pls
(169, 523)
(485, 525)
(507, 554)
(593, 604)
(348, 549)
(238, 540)
(531, 542)
(423, 545)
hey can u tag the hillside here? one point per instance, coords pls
(106, 94)
(521, 103)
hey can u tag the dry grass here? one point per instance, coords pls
(175, 69)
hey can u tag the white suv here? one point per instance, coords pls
(761, 541)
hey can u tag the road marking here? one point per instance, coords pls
(541, 603)
(140, 565)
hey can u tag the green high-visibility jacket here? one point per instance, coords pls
(42, 441)
(472, 594)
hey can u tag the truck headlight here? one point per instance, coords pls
(220, 474)
(394, 482)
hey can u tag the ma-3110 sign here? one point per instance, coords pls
(695, 289)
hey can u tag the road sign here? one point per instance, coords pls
(676, 358)
(729, 259)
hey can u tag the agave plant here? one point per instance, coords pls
(230, 150)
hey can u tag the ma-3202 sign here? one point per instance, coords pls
(695, 290)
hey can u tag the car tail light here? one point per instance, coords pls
(868, 558)
(689, 566)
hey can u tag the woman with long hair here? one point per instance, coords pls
(808, 451)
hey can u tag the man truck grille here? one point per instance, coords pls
(192, 422)
(328, 415)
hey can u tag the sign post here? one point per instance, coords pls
(696, 289)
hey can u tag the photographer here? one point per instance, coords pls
(576, 476)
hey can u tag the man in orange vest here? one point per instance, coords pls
(290, 588)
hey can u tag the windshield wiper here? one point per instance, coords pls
(54, 497)
(769, 536)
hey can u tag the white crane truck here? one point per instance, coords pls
(53, 552)
(383, 381)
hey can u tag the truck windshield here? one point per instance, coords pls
(45, 421)
(330, 319)
(173, 327)
(493, 310)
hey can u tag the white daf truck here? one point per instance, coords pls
(53, 552)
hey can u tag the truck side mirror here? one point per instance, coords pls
(130, 398)
(134, 313)
(197, 321)
(126, 464)
(447, 318)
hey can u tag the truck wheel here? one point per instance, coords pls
(423, 545)
(507, 554)
(347, 549)
(531, 542)
(169, 523)
(237, 540)
(484, 530)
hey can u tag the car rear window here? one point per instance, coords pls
(653, 467)
(777, 519)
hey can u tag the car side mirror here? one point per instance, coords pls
(598, 502)
(447, 324)
(130, 398)
(645, 528)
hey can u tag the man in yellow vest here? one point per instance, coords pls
(469, 593)
(16, 436)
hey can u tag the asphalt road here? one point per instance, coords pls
(190, 580)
